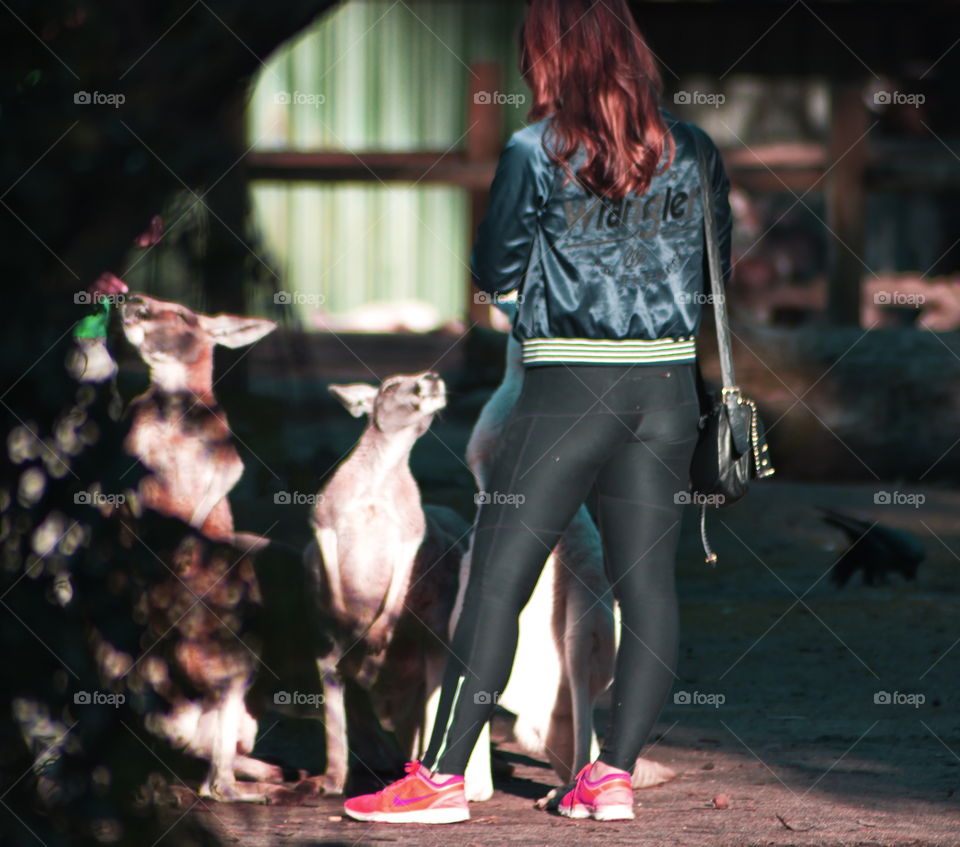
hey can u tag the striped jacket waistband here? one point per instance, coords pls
(608, 350)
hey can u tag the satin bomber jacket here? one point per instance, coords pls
(600, 281)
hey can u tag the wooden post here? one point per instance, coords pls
(484, 140)
(225, 257)
(846, 202)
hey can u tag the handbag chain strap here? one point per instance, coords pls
(761, 452)
(729, 387)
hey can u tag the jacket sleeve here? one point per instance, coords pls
(505, 236)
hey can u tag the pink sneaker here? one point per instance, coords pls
(414, 799)
(609, 798)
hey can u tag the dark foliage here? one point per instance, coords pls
(78, 181)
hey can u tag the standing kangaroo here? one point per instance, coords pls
(178, 431)
(384, 567)
(180, 434)
(568, 631)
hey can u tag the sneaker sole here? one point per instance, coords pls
(447, 815)
(613, 813)
(578, 812)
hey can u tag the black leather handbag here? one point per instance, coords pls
(731, 448)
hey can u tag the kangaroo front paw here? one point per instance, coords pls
(550, 802)
(376, 639)
(368, 671)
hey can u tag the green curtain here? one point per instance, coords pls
(376, 75)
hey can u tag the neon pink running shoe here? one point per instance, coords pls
(609, 798)
(416, 798)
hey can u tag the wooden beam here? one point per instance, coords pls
(776, 155)
(452, 168)
(475, 176)
(776, 180)
(846, 202)
(891, 166)
(484, 141)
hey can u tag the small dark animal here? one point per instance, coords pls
(874, 548)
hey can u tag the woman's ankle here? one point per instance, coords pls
(443, 777)
(601, 769)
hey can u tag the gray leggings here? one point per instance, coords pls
(628, 431)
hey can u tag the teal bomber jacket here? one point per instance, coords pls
(600, 281)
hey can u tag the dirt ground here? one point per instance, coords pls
(799, 746)
(783, 672)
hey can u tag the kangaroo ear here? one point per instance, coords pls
(233, 331)
(357, 397)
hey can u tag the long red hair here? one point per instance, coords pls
(588, 66)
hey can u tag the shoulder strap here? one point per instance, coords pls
(712, 247)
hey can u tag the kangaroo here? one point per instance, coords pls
(384, 567)
(178, 431)
(556, 678)
(181, 436)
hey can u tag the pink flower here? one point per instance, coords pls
(108, 284)
(152, 234)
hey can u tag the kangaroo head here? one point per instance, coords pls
(400, 402)
(177, 344)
